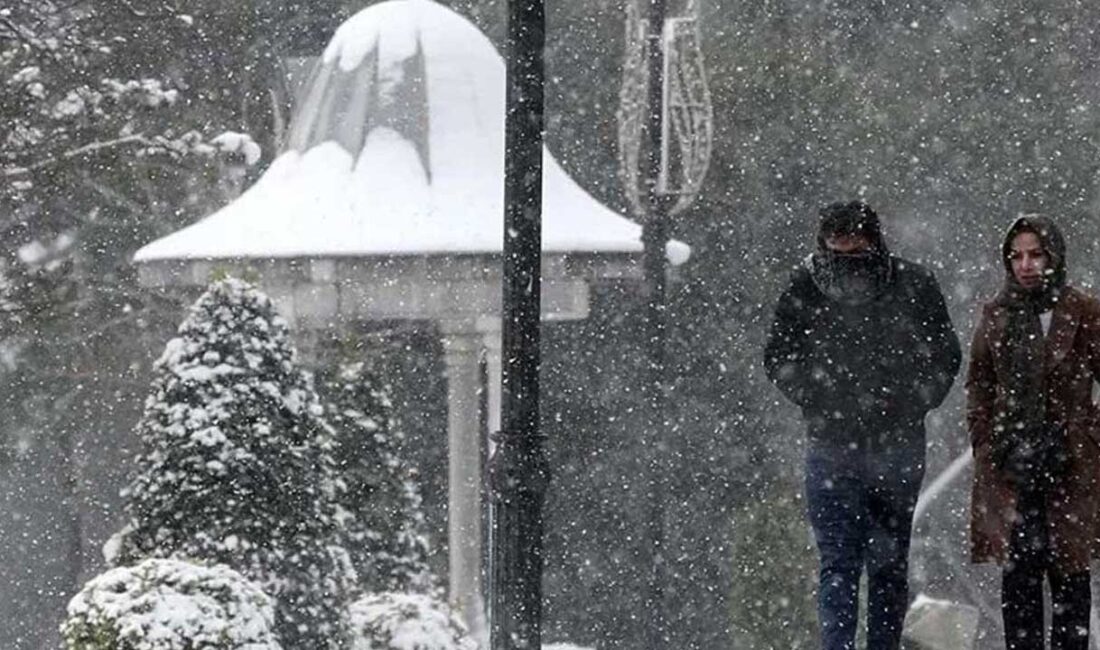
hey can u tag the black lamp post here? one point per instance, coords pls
(655, 264)
(518, 470)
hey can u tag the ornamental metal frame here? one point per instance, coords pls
(687, 127)
(687, 124)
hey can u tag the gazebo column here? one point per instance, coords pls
(462, 345)
(490, 340)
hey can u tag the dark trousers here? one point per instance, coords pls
(1029, 561)
(860, 504)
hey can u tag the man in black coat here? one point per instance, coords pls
(862, 342)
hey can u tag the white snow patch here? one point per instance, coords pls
(400, 621)
(26, 75)
(113, 545)
(33, 252)
(172, 605)
(240, 143)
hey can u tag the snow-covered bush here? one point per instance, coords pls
(380, 509)
(400, 621)
(170, 605)
(237, 465)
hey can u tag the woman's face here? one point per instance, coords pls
(1029, 260)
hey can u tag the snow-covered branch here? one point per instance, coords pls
(142, 13)
(90, 148)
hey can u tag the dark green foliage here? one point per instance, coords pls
(380, 507)
(773, 591)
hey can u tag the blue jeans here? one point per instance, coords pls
(860, 504)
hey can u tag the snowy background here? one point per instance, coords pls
(948, 116)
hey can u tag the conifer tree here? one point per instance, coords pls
(381, 507)
(237, 465)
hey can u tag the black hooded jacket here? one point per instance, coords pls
(867, 373)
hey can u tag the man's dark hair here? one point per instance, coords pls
(851, 218)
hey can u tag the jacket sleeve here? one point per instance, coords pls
(945, 355)
(1091, 327)
(981, 386)
(786, 354)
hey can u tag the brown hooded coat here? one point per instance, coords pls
(1071, 363)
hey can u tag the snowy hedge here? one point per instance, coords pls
(400, 621)
(170, 605)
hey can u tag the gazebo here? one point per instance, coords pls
(387, 203)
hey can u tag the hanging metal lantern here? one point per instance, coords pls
(687, 124)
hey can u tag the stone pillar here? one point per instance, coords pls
(462, 349)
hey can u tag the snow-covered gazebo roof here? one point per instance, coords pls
(398, 149)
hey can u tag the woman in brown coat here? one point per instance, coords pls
(1033, 427)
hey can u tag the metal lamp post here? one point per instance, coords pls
(665, 130)
(654, 265)
(518, 470)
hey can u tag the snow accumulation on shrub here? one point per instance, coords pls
(400, 621)
(236, 466)
(170, 605)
